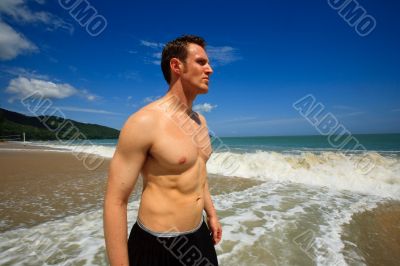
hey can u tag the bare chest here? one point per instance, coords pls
(178, 147)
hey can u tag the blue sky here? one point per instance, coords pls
(266, 55)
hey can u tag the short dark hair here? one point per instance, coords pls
(177, 48)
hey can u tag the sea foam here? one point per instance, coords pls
(330, 169)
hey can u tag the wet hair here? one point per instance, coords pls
(177, 49)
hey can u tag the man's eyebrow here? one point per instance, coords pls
(202, 59)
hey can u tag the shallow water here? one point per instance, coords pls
(273, 223)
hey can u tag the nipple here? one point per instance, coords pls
(182, 160)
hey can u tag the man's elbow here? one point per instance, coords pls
(113, 201)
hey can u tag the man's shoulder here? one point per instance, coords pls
(139, 129)
(145, 117)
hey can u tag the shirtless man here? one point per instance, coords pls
(169, 145)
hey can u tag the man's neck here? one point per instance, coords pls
(185, 98)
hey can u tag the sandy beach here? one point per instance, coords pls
(376, 234)
(39, 185)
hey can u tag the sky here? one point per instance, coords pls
(103, 66)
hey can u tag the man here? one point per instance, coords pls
(169, 145)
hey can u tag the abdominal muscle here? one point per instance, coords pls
(173, 203)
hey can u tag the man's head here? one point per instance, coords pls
(185, 57)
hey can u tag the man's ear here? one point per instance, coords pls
(176, 65)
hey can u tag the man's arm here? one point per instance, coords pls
(133, 144)
(212, 218)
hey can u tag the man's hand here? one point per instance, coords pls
(216, 229)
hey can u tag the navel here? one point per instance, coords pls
(182, 160)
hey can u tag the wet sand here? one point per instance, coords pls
(376, 234)
(41, 184)
(21, 146)
(38, 185)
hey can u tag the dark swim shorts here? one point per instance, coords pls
(148, 248)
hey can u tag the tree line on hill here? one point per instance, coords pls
(13, 123)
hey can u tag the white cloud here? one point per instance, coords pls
(152, 61)
(20, 12)
(19, 71)
(13, 43)
(204, 108)
(219, 55)
(151, 99)
(129, 103)
(157, 55)
(29, 81)
(349, 111)
(87, 95)
(351, 114)
(91, 97)
(22, 87)
(87, 110)
(155, 59)
(153, 45)
(222, 55)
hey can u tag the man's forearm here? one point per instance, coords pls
(212, 218)
(115, 232)
(208, 204)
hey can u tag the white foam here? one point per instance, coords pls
(266, 217)
(100, 150)
(27, 149)
(323, 168)
(73, 240)
(273, 218)
(329, 169)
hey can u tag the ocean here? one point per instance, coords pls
(307, 204)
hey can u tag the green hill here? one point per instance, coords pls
(12, 123)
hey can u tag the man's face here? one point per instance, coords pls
(196, 69)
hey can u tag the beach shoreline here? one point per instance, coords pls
(40, 184)
(43, 184)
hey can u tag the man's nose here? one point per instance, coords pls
(209, 69)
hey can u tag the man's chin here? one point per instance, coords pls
(202, 89)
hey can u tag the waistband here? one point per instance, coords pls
(168, 234)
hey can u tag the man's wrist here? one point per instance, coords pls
(211, 215)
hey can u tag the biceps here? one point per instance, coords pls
(123, 175)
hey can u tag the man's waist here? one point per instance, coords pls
(171, 232)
